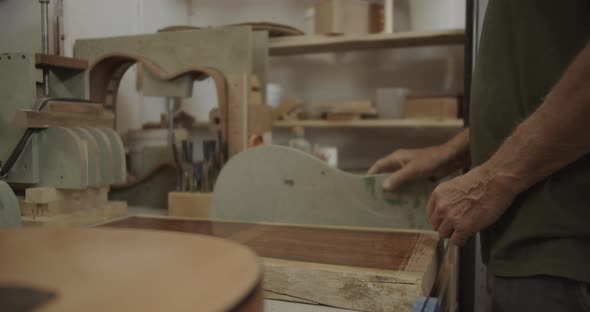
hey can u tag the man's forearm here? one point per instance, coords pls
(457, 150)
(555, 135)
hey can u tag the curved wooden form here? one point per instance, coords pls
(95, 168)
(65, 167)
(105, 75)
(127, 270)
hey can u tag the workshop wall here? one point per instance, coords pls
(21, 27)
(340, 76)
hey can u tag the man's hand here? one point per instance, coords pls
(411, 164)
(463, 206)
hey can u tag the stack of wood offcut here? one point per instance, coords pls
(52, 207)
(289, 109)
(345, 110)
(433, 106)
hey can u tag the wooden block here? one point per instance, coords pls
(196, 205)
(81, 108)
(117, 208)
(445, 107)
(255, 98)
(34, 119)
(361, 107)
(343, 116)
(48, 201)
(287, 106)
(254, 83)
(42, 195)
(336, 17)
(55, 61)
(260, 119)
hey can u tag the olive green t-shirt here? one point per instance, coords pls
(525, 47)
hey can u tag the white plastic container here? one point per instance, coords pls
(274, 94)
(390, 102)
(426, 15)
(309, 22)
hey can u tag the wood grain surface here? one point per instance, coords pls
(410, 251)
(124, 270)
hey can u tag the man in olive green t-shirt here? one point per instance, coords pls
(529, 147)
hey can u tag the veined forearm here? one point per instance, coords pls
(555, 135)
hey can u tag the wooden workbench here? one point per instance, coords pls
(350, 268)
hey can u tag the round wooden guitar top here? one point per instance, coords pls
(126, 270)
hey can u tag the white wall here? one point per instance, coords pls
(20, 26)
(354, 75)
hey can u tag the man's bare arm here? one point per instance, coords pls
(555, 135)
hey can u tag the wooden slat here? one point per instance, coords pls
(359, 289)
(69, 107)
(322, 43)
(55, 61)
(36, 119)
(409, 251)
(363, 123)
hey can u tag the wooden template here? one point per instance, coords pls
(175, 59)
(230, 50)
(106, 73)
(122, 270)
(283, 185)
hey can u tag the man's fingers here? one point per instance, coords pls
(396, 179)
(430, 205)
(446, 228)
(384, 165)
(459, 238)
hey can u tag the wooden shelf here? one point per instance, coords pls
(364, 123)
(320, 43)
(373, 123)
